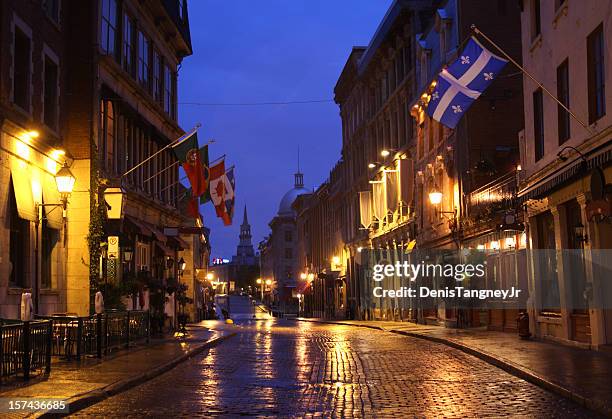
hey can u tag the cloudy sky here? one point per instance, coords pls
(253, 51)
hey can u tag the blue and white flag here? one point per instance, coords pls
(462, 82)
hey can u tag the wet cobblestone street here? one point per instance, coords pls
(297, 369)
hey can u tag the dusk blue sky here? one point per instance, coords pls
(248, 51)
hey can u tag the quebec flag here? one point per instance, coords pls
(462, 82)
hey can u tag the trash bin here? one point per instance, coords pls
(523, 325)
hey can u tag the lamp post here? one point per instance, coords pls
(269, 284)
(64, 180)
(183, 320)
(260, 283)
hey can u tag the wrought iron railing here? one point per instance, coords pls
(25, 347)
(73, 336)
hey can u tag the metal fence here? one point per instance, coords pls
(73, 336)
(25, 347)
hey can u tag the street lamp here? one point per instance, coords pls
(387, 152)
(579, 232)
(259, 282)
(181, 266)
(64, 179)
(435, 196)
(303, 276)
(114, 199)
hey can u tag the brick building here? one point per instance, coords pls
(102, 108)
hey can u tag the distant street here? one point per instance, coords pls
(288, 368)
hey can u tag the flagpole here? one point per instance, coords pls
(479, 32)
(160, 172)
(173, 143)
(217, 159)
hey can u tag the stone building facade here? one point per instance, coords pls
(278, 256)
(33, 114)
(97, 82)
(388, 140)
(566, 47)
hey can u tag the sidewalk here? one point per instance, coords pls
(585, 376)
(92, 380)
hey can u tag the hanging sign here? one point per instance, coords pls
(113, 247)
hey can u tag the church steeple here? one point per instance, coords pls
(245, 231)
(245, 219)
(245, 254)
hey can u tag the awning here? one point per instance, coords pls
(23, 194)
(158, 234)
(53, 214)
(140, 227)
(182, 244)
(557, 179)
(165, 249)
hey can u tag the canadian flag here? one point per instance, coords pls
(217, 187)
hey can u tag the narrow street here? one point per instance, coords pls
(290, 368)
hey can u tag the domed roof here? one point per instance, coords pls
(284, 207)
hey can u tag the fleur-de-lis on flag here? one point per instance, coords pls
(488, 76)
(435, 95)
(465, 59)
(457, 108)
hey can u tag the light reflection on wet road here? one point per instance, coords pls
(296, 369)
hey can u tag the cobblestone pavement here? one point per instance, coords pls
(297, 369)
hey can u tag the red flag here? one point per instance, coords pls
(193, 208)
(217, 187)
(192, 161)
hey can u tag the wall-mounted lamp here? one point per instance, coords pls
(580, 233)
(128, 254)
(387, 152)
(181, 266)
(114, 199)
(64, 180)
(435, 196)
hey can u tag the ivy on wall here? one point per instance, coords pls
(95, 236)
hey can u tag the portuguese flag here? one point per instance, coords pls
(194, 161)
